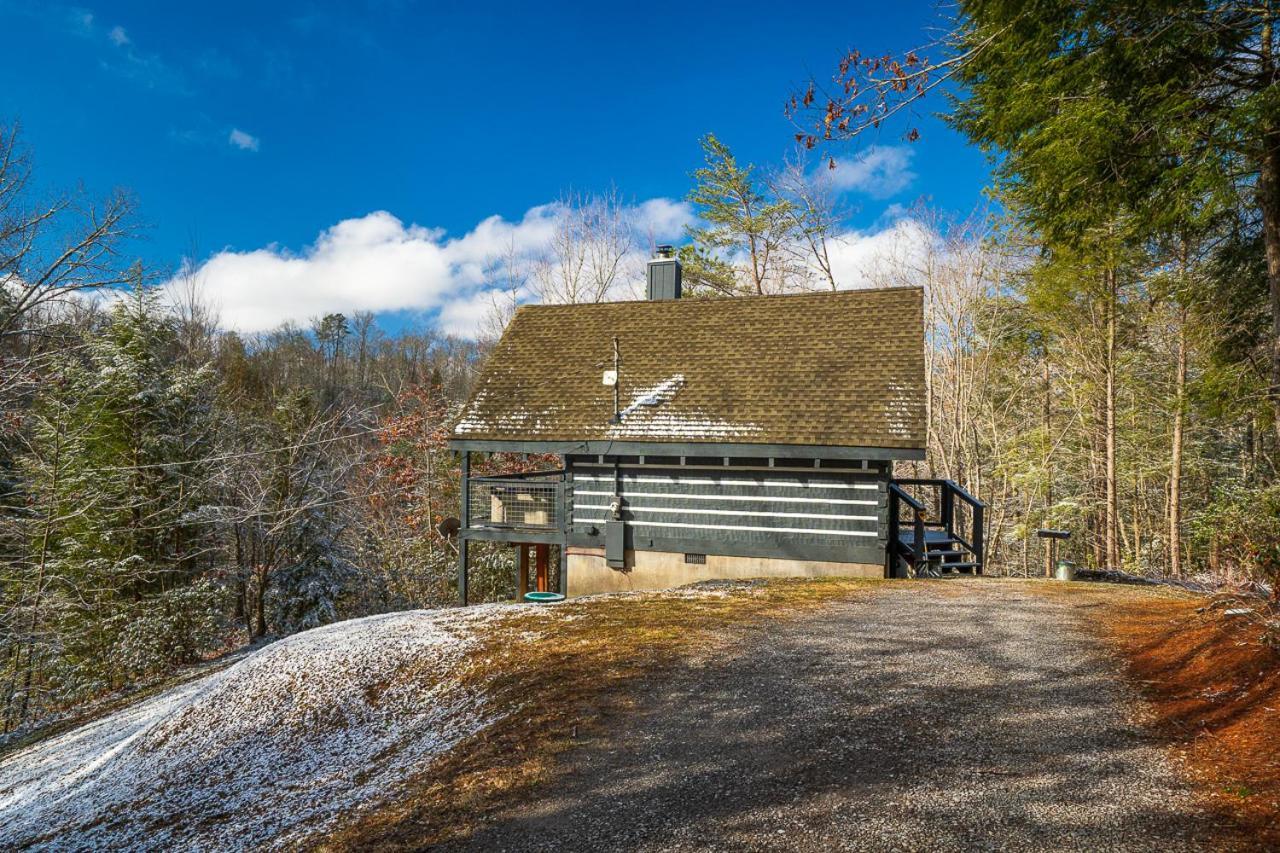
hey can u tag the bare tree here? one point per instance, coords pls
(815, 215)
(51, 250)
(507, 284)
(288, 503)
(593, 250)
(195, 313)
(364, 327)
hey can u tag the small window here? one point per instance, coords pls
(695, 559)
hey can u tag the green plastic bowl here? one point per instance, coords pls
(543, 597)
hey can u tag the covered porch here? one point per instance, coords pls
(525, 510)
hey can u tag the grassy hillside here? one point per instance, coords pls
(336, 730)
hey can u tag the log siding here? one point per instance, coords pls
(794, 508)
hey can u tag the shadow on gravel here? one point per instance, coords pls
(913, 720)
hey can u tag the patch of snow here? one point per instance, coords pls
(898, 410)
(691, 426)
(521, 421)
(267, 753)
(642, 418)
(661, 393)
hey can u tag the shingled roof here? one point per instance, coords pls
(841, 369)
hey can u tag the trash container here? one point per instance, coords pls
(1066, 571)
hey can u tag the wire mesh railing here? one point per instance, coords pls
(526, 501)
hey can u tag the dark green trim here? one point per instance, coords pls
(873, 552)
(513, 535)
(687, 448)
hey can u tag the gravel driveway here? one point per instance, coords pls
(950, 715)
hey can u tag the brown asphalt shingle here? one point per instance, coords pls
(837, 369)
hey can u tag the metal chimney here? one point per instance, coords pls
(664, 274)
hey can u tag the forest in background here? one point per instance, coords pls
(1103, 353)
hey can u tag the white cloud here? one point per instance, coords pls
(379, 263)
(469, 316)
(663, 219)
(243, 141)
(879, 171)
(118, 36)
(885, 258)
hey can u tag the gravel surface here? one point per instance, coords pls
(970, 715)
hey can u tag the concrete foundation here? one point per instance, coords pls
(588, 573)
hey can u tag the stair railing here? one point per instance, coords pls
(949, 492)
(897, 497)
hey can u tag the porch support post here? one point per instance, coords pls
(980, 537)
(948, 500)
(562, 576)
(462, 533)
(543, 551)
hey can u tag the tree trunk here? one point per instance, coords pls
(260, 626)
(1112, 516)
(1175, 461)
(1048, 436)
(1269, 202)
(45, 534)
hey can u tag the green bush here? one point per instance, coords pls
(1242, 525)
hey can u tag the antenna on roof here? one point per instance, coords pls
(616, 416)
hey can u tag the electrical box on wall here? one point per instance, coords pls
(615, 548)
(610, 378)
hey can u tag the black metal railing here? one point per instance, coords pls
(956, 518)
(914, 548)
(525, 501)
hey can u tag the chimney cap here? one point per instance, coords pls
(665, 251)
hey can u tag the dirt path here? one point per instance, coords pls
(958, 715)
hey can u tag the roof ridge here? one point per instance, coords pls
(697, 300)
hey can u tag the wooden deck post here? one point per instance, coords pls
(979, 538)
(462, 532)
(543, 551)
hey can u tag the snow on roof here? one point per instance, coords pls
(841, 369)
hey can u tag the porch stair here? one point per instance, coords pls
(935, 529)
(943, 555)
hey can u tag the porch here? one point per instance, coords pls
(525, 510)
(935, 527)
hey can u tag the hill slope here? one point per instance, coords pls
(278, 746)
(342, 724)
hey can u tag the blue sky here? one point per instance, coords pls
(252, 127)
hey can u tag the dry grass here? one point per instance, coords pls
(563, 679)
(1213, 689)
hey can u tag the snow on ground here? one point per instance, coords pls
(265, 753)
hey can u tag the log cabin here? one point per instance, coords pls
(712, 438)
